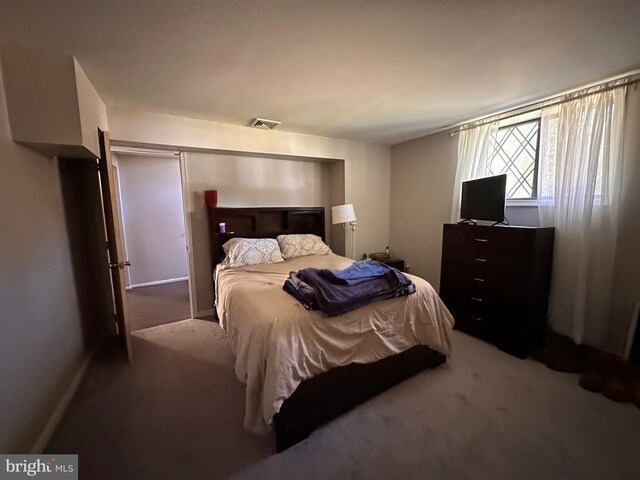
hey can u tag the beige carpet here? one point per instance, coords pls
(176, 413)
(158, 304)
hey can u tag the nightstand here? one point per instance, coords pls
(395, 263)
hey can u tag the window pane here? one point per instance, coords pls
(517, 156)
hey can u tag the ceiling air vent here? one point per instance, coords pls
(264, 123)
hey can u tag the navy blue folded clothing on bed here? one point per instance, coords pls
(338, 292)
(303, 292)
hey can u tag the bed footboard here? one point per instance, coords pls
(325, 397)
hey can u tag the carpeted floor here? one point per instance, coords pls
(176, 413)
(158, 304)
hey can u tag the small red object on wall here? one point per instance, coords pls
(211, 198)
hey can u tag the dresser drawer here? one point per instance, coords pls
(476, 302)
(483, 279)
(479, 326)
(488, 242)
(467, 259)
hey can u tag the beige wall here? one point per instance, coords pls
(336, 193)
(244, 181)
(363, 171)
(422, 176)
(366, 166)
(153, 217)
(40, 332)
(92, 110)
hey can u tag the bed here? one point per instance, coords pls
(302, 369)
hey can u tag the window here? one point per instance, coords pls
(517, 153)
(547, 172)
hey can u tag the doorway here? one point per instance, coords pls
(149, 190)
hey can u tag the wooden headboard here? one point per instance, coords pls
(261, 222)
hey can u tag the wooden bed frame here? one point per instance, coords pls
(325, 397)
(260, 222)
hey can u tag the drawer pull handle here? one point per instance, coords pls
(478, 279)
(477, 319)
(484, 240)
(476, 299)
(480, 259)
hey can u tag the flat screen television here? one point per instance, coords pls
(483, 198)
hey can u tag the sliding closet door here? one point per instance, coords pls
(117, 262)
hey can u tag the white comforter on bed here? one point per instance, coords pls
(278, 343)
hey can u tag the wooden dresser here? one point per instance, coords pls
(495, 281)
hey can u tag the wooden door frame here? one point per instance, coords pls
(131, 149)
(125, 251)
(186, 210)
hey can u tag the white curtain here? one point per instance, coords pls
(579, 178)
(476, 148)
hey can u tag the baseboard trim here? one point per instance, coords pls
(205, 313)
(158, 282)
(61, 407)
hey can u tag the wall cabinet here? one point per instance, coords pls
(52, 106)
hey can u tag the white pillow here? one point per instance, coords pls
(301, 245)
(251, 251)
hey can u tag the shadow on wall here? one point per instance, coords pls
(85, 225)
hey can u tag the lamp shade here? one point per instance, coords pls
(343, 213)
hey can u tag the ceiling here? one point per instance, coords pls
(374, 71)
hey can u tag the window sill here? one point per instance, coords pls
(521, 203)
